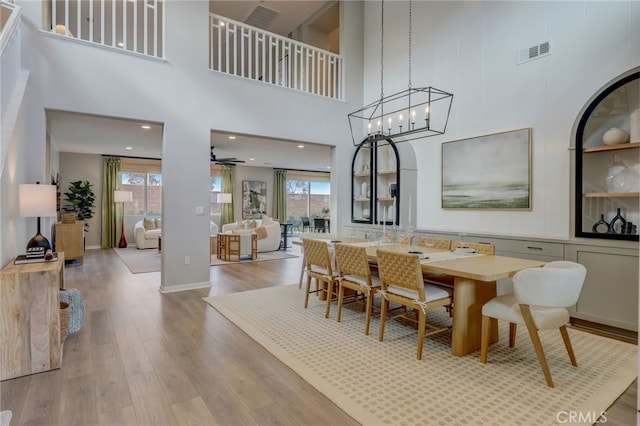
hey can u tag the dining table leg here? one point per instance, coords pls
(468, 298)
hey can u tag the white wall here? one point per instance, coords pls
(190, 101)
(469, 49)
(84, 167)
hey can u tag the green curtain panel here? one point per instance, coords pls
(228, 186)
(111, 216)
(280, 194)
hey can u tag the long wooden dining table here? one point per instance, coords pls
(474, 284)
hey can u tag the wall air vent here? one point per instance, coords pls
(534, 52)
(261, 17)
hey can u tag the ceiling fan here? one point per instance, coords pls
(222, 161)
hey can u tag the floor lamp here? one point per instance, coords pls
(37, 200)
(122, 197)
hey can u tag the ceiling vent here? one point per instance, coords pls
(534, 52)
(261, 17)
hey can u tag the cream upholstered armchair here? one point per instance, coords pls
(268, 230)
(146, 233)
(539, 301)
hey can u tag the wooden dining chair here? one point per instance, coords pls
(437, 243)
(401, 282)
(319, 266)
(480, 248)
(539, 301)
(404, 239)
(355, 274)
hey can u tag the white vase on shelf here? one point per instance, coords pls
(615, 136)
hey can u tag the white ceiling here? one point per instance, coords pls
(292, 13)
(90, 134)
(83, 133)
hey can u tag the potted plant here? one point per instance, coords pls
(82, 199)
(325, 212)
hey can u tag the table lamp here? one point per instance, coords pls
(35, 200)
(122, 197)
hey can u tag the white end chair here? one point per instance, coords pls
(539, 301)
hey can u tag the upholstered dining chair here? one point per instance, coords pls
(539, 301)
(438, 243)
(319, 266)
(402, 283)
(355, 274)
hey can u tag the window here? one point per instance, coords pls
(308, 194)
(216, 188)
(147, 193)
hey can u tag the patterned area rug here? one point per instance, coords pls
(382, 383)
(142, 261)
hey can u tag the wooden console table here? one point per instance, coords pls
(30, 317)
(230, 247)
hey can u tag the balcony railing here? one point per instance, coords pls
(132, 25)
(249, 52)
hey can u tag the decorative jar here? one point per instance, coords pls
(615, 136)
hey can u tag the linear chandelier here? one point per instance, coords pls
(411, 114)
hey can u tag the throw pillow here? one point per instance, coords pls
(266, 220)
(252, 224)
(239, 226)
(158, 223)
(261, 232)
(149, 224)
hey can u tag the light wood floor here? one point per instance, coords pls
(143, 358)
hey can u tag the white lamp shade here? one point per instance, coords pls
(37, 200)
(122, 196)
(223, 198)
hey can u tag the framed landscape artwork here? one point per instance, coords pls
(490, 172)
(254, 199)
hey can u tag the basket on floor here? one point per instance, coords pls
(64, 320)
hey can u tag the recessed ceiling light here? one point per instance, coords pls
(328, 167)
(252, 159)
(128, 147)
(300, 146)
(146, 127)
(231, 137)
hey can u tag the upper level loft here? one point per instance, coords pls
(305, 58)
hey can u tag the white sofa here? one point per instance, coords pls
(146, 237)
(270, 243)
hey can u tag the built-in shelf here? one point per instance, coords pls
(606, 176)
(612, 147)
(611, 194)
(375, 175)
